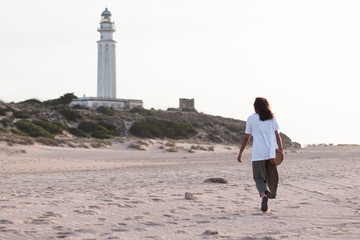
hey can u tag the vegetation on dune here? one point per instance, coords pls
(71, 115)
(32, 129)
(22, 114)
(108, 111)
(100, 130)
(152, 127)
(64, 100)
(78, 133)
(45, 120)
(52, 127)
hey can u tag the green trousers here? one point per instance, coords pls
(266, 177)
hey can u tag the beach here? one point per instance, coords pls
(119, 192)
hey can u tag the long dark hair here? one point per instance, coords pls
(262, 108)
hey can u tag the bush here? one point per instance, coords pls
(160, 128)
(11, 139)
(5, 122)
(3, 111)
(65, 99)
(32, 130)
(47, 141)
(33, 101)
(53, 128)
(77, 132)
(22, 114)
(3, 130)
(106, 111)
(78, 106)
(142, 111)
(90, 127)
(213, 138)
(114, 130)
(97, 118)
(71, 115)
(95, 130)
(101, 135)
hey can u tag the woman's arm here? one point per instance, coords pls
(279, 141)
(243, 145)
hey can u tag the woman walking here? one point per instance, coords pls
(263, 127)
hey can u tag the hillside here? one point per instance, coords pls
(53, 122)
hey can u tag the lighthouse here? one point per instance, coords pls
(106, 72)
(106, 78)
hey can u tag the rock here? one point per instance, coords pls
(210, 232)
(189, 196)
(216, 180)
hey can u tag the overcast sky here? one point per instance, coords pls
(303, 56)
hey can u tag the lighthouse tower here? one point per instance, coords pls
(106, 77)
(106, 81)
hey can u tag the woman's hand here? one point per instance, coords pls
(239, 158)
(243, 145)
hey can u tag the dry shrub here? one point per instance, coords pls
(198, 147)
(139, 145)
(100, 144)
(170, 144)
(211, 148)
(47, 141)
(173, 149)
(12, 140)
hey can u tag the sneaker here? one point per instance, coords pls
(264, 205)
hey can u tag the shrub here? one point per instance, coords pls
(3, 111)
(97, 118)
(51, 127)
(101, 134)
(5, 122)
(95, 130)
(173, 149)
(142, 111)
(235, 129)
(22, 114)
(71, 115)
(90, 127)
(32, 130)
(11, 140)
(214, 138)
(77, 132)
(106, 111)
(17, 132)
(47, 141)
(159, 128)
(33, 101)
(100, 144)
(78, 106)
(3, 130)
(139, 145)
(65, 99)
(113, 130)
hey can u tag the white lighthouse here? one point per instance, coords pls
(106, 79)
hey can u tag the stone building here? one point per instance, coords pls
(187, 104)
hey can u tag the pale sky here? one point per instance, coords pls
(303, 56)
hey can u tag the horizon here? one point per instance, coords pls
(301, 56)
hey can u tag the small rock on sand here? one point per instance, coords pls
(189, 196)
(210, 232)
(216, 180)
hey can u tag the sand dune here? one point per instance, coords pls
(122, 193)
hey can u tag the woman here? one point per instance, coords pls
(263, 127)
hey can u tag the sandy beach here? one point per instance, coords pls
(123, 193)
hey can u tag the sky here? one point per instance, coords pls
(303, 56)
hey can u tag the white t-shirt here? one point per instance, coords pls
(264, 139)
